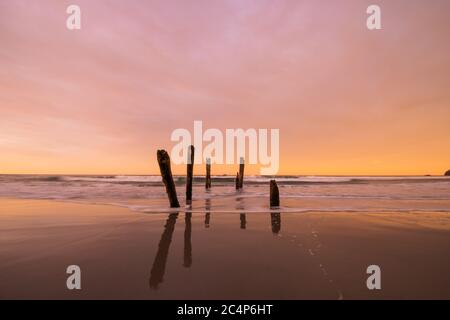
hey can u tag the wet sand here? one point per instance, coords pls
(132, 255)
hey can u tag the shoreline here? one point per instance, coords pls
(190, 209)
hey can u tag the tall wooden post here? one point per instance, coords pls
(166, 174)
(274, 194)
(241, 173)
(190, 172)
(208, 174)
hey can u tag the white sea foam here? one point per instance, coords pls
(298, 193)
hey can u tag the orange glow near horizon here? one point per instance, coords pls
(347, 101)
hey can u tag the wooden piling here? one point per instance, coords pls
(274, 194)
(189, 174)
(166, 174)
(208, 174)
(241, 173)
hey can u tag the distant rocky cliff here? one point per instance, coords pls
(447, 173)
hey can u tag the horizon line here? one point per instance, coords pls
(222, 175)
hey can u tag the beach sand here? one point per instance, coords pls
(132, 255)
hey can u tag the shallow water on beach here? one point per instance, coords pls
(298, 193)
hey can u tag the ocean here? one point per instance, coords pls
(298, 193)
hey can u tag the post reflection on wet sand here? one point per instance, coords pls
(276, 222)
(159, 264)
(242, 216)
(208, 212)
(243, 221)
(187, 259)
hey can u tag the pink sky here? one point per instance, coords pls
(346, 100)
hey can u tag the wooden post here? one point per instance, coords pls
(208, 174)
(166, 174)
(237, 181)
(274, 194)
(241, 173)
(190, 172)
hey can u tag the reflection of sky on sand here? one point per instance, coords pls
(266, 261)
(159, 264)
(157, 274)
(158, 270)
(196, 255)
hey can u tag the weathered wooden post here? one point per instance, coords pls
(208, 174)
(241, 173)
(237, 181)
(190, 172)
(274, 194)
(166, 174)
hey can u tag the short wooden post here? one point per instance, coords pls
(166, 174)
(208, 174)
(189, 174)
(274, 194)
(241, 173)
